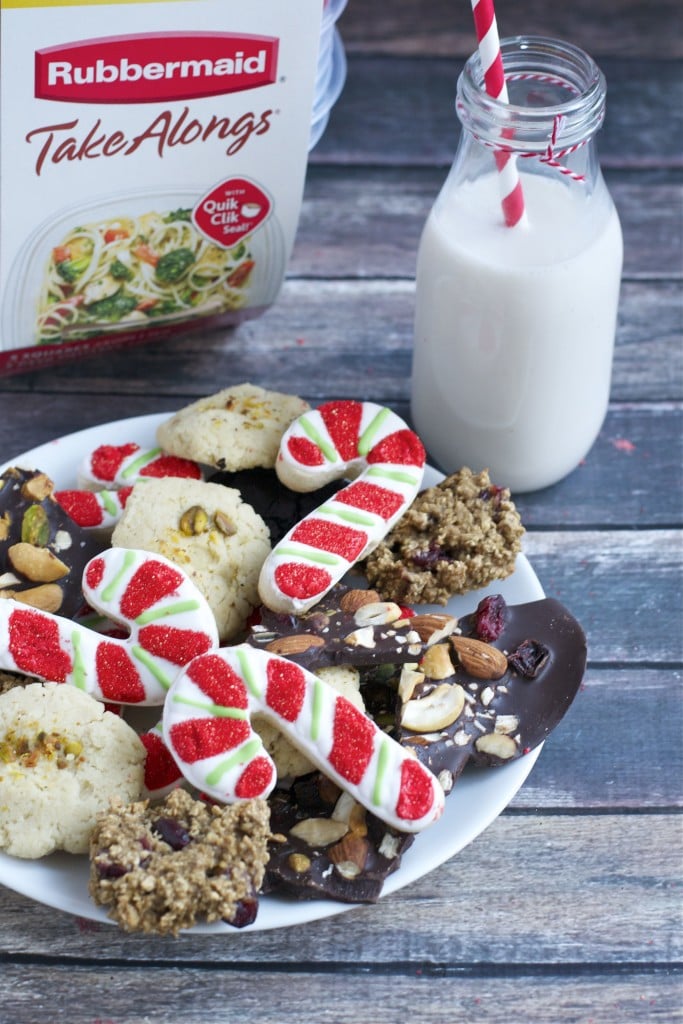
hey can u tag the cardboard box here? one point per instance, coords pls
(152, 163)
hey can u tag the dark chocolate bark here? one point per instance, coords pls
(504, 718)
(350, 869)
(329, 635)
(42, 551)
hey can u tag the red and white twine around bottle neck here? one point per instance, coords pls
(551, 156)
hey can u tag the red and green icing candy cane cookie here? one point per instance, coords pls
(109, 474)
(207, 728)
(167, 617)
(366, 443)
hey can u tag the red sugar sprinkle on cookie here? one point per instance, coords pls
(352, 744)
(297, 580)
(339, 540)
(106, 460)
(286, 689)
(401, 448)
(255, 779)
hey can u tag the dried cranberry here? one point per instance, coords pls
(491, 493)
(428, 559)
(245, 912)
(172, 832)
(107, 869)
(529, 658)
(489, 618)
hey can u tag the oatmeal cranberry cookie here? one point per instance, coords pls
(456, 537)
(161, 869)
(237, 428)
(62, 758)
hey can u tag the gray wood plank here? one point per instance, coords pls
(618, 746)
(621, 28)
(367, 222)
(630, 613)
(611, 880)
(419, 96)
(352, 339)
(169, 996)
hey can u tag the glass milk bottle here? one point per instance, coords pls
(515, 325)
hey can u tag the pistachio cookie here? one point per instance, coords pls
(62, 758)
(237, 428)
(210, 533)
(458, 536)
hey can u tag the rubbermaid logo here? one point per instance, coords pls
(153, 68)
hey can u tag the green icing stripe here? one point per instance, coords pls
(328, 450)
(151, 615)
(111, 588)
(382, 768)
(248, 674)
(400, 475)
(309, 555)
(348, 515)
(78, 673)
(217, 710)
(140, 463)
(367, 438)
(317, 708)
(242, 755)
(152, 665)
(110, 505)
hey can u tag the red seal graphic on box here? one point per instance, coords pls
(231, 211)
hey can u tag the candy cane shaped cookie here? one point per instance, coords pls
(207, 728)
(108, 475)
(92, 510)
(162, 774)
(169, 620)
(385, 460)
(112, 466)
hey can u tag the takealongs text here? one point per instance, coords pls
(69, 140)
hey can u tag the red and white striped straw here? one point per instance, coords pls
(488, 43)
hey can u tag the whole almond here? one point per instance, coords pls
(481, 660)
(352, 600)
(433, 627)
(297, 643)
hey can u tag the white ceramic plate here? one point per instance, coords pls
(478, 797)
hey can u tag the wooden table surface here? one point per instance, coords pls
(568, 907)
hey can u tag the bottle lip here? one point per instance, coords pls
(517, 126)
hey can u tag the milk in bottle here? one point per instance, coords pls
(514, 327)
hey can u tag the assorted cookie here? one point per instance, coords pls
(63, 757)
(457, 536)
(341, 719)
(238, 428)
(159, 869)
(218, 540)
